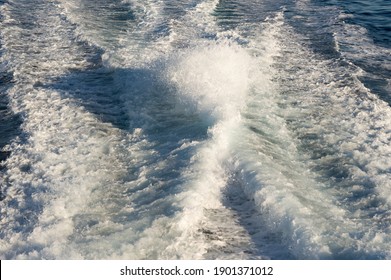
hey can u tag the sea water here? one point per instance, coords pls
(195, 129)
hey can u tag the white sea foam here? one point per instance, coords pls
(338, 121)
(212, 81)
(239, 143)
(66, 158)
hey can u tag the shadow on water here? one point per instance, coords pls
(9, 122)
(129, 100)
(264, 241)
(9, 126)
(138, 100)
(132, 98)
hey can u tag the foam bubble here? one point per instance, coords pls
(212, 79)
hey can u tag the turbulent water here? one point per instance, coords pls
(195, 129)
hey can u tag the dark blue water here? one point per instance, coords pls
(203, 129)
(9, 122)
(374, 15)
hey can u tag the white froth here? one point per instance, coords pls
(332, 111)
(292, 158)
(213, 79)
